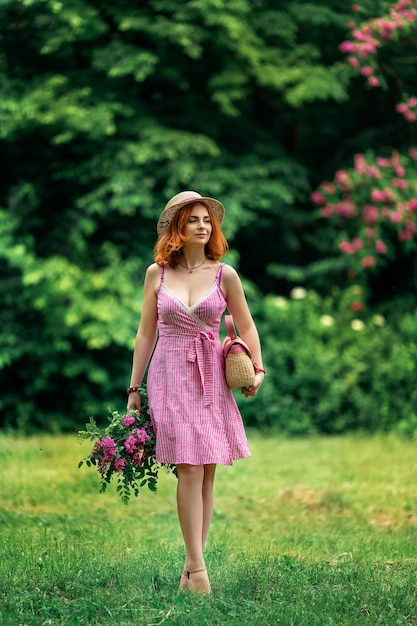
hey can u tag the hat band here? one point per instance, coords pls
(187, 200)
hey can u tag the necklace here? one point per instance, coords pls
(190, 269)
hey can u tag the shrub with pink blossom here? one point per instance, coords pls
(371, 209)
(373, 204)
(125, 450)
(372, 34)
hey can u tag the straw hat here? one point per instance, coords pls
(182, 199)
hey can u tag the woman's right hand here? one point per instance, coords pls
(134, 401)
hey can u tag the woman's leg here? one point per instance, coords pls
(191, 516)
(208, 499)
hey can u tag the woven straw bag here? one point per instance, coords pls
(239, 367)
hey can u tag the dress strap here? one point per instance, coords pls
(219, 274)
(162, 273)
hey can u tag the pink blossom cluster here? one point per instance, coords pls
(378, 195)
(128, 420)
(109, 448)
(105, 451)
(370, 35)
(135, 444)
(408, 109)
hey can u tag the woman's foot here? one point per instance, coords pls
(196, 581)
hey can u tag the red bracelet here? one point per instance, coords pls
(133, 389)
(258, 369)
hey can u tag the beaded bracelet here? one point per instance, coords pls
(133, 389)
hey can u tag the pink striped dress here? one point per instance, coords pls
(194, 413)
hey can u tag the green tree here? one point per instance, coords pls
(108, 109)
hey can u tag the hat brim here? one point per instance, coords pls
(168, 213)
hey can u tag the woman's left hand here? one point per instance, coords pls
(253, 389)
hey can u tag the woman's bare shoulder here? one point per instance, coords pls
(153, 270)
(229, 272)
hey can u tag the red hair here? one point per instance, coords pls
(168, 248)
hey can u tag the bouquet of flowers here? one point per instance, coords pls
(125, 449)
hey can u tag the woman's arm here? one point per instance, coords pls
(238, 307)
(146, 334)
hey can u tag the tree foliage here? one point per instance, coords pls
(108, 109)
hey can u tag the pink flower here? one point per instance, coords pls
(380, 247)
(369, 261)
(353, 62)
(134, 443)
(383, 162)
(377, 195)
(396, 217)
(405, 235)
(369, 47)
(373, 81)
(119, 465)
(370, 214)
(357, 306)
(411, 226)
(356, 8)
(347, 47)
(328, 187)
(359, 35)
(401, 108)
(128, 420)
(412, 102)
(412, 205)
(395, 159)
(346, 209)
(109, 448)
(367, 70)
(399, 170)
(386, 29)
(388, 195)
(410, 116)
(130, 444)
(346, 247)
(360, 164)
(318, 197)
(343, 179)
(357, 244)
(142, 435)
(327, 211)
(400, 183)
(413, 153)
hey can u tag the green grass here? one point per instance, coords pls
(306, 532)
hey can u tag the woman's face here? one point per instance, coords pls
(198, 227)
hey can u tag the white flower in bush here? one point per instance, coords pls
(357, 325)
(298, 293)
(326, 320)
(378, 320)
(280, 302)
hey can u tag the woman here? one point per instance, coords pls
(194, 413)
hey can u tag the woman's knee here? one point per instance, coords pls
(190, 472)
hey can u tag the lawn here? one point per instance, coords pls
(316, 531)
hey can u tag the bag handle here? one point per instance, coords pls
(230, 326)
